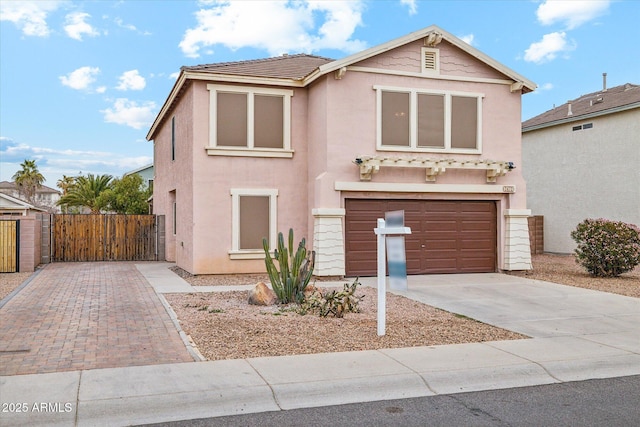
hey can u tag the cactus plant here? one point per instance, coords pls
(295, 272)
(334, 302)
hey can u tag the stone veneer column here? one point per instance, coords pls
(328, 241)
(517, 249)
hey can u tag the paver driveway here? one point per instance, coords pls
(75, 316)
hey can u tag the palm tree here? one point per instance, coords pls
(28, 179)
(65, 183)
(86, 192)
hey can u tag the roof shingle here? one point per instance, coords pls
(294, 67)
(595, 102)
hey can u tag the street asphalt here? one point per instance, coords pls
(606, 402)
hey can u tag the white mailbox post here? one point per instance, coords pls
(382, 232)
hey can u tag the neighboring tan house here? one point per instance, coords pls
(45, 197)
(582, 160)
(425, 123)
(12, 206)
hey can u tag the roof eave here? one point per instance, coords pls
(21, 203)
(528, 85)
(215, 77)
(582, 117)
(175, 90)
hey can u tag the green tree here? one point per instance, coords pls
(127, 195)
(86, 192)
(28, 179)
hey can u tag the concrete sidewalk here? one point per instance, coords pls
(576, 334)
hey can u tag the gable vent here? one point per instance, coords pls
(430, 60)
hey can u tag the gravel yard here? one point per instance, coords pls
(10, 281)
(563, 269)
(224, 326)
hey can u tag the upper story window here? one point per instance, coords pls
(581, 127)
(249, 121)
(436, 121)
(173, 138)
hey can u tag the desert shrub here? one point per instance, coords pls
(607, 248)
(295, 269)
(334, 302)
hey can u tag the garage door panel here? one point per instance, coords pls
(440, 245)
(473, 207)
(476, 246)
(475, 226)
(447, 236)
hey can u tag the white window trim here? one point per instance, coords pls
(236, 193)
(249, 150)
(413, 137)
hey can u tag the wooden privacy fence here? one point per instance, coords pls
(77, 237)
(9, 238)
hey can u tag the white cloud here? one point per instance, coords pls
(29, 16)
(468, 39)
(53, 163)
(251, 24)
(120, 23)
(543, 88)
(130, 113)
(174, 76)
(571, 12)
(75, 26)
(548, 48)
(81, 78)
(413, 8)
(131, 80)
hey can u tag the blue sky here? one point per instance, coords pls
(81, 81)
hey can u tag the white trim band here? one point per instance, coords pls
(389, 187)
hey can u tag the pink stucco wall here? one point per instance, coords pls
(214, 176)
(176, 177)
(333, 122)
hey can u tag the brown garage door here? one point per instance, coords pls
(447, 236)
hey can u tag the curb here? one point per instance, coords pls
(186, 339)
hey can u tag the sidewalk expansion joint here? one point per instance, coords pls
(273, 392)
(412, 370)
(78, 400)
(528, 360)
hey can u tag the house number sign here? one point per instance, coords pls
(508, 188)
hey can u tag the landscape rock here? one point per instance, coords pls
(262, 295)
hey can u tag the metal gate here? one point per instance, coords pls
(9, 246)
(109, 237)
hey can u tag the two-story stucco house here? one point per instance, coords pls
(582, 160)
(424, 123)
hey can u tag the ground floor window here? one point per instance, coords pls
(253, 219)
